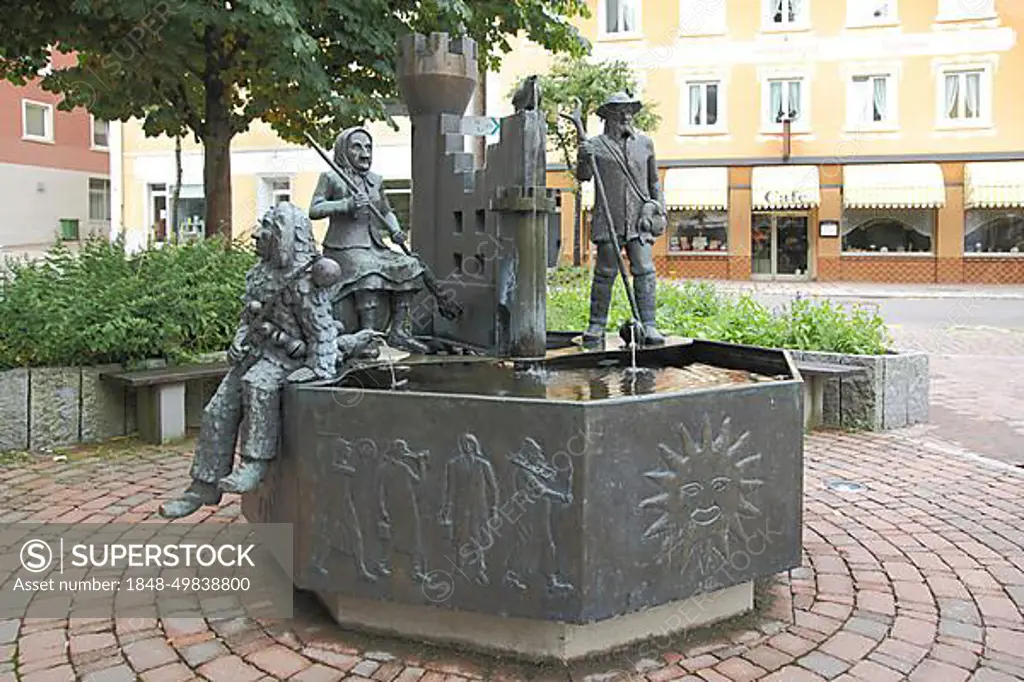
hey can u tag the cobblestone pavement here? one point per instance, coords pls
(919, 576)
(977, 386)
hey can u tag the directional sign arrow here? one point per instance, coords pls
(480, 126)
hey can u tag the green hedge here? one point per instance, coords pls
(99, 306)
(698, 310)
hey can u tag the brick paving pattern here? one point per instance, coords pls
(920, 576)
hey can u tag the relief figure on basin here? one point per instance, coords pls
(400, 524)
(538, 489)
(335, 503)
(379, 282)
(470, 505)
(624, 159)
(286, 334)
(710, 495)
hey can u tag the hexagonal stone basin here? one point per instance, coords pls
(553, 512)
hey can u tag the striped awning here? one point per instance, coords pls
(994, 185)
(784, 187)
(697, 188)
(898, 185)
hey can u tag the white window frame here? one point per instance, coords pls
(686, 127)
(602, 23)
(985, 96)
(109, 198)
(960, 10)
(266, 195)
(801, 23)
(858, 16)
(768, 123)
(891, 121)
(702, 18)
(25, 135)
(92, 135)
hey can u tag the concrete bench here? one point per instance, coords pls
(815, 374)
(160, 407)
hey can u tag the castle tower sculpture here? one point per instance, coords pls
(483, 231)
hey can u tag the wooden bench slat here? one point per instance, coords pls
(169, 375)
(819, 368)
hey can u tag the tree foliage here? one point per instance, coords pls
(212, 67)
(575, 79)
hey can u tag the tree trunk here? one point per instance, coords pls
(176, 195)
(577, 227)
(217, 179)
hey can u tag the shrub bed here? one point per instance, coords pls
(100, 306)
(698, 310)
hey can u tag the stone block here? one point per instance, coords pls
(895, 391)
(103, 404)
(861, 395)
(831, 416)
(918, 388)
(14, 410)
(55, 407)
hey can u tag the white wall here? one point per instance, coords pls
(37, 199)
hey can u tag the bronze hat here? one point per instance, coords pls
(619, 100)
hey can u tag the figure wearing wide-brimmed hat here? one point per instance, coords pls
(372, 274)
(625, 160)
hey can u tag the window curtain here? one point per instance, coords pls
(776, 100)
(972, 102)
(695, 105)
(952, 95)
(794, 100)
(920, 220)
(777, 10)
(711, 105)
(880, 99)
(612, 12)
(794, 9)
(628, 15)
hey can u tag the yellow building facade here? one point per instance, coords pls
(800, 139)
(901, 158)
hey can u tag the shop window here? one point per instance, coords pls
(698, 231)
(994, 231)
(888, 230)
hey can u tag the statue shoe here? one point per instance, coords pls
(194, 497)
(246, 478)
(594, 336)
(652, 337)
(406, 342)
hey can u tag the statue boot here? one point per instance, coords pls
(600, 300)
(645, 287)
(260, 436)
(399, 336)
(199, 493)
(246, 477)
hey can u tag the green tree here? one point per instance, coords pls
(212, 67)
(575, 79)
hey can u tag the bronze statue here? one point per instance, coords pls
(371, 272)
(623, 159)
(287, 333)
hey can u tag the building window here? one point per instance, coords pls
(280, 190)
(399, 195)
(888, 230)
(621, 16)
(962, 93)
(36, 121)
(99, 199)
(702, 105)
(953, 10)
(994, 231)
(785, 99)
(872, 101)
(100, 134)
(697, 231)
(787, 13)
(868, 12)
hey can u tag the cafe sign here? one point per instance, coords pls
(794, 197)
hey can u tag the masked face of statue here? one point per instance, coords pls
(360, 152)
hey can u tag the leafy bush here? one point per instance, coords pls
(698, 310)
(100, 306)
